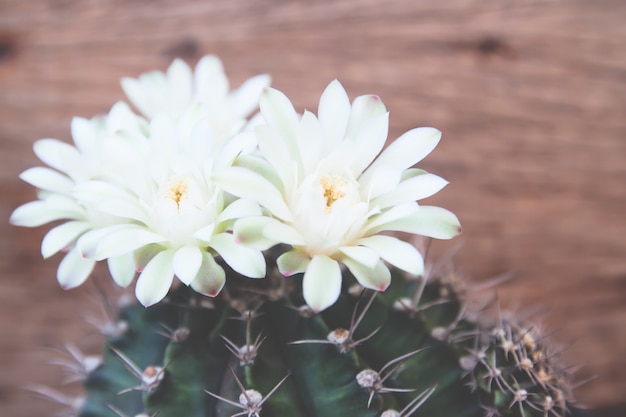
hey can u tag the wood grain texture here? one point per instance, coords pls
(530, 95)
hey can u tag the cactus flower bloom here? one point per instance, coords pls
(330, 192)
(137, 191)
(177, 220)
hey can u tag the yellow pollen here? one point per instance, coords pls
(331, 192)
(178, 191)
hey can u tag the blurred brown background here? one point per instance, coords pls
(530, 95)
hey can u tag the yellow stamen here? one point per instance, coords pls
(177, 192)
(331, 191)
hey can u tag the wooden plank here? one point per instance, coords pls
(530, 95)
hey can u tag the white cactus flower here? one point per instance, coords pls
(176, 219)
(96, 154)
(205, 91)
(330, 192)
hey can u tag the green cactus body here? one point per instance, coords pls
(413, 344)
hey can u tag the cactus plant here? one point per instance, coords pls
(413, 350)
(339, 320)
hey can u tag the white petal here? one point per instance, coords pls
(155, 280)
(333, 114)
(310, 141)
(405, 151)
(89, 241)
(364, 109)
(279, 232)
(179, 77)
(123, 241)
(122, 269)
(379, 222)
(377, 278)
(397, 252)
(247, 184)
(211, 277)
(187, 261)
(210, 81)
(362, 255)
(431, 221)
(238, 209)
(411, 189)
(282, 153)
(369, 142)
(61, 236)
(293, 262)
(59, 155)
(279, 113)
(247, 261)
(321, 284)
(247, 96)
(249, 231)
(47, 179)
(36, 213)
(74, 269)
(206, 233)
(83, 134)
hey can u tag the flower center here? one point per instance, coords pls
(334, 189)
(177, 191)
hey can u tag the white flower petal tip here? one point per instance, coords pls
(321, 283)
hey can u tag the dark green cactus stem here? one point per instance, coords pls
(196, 354)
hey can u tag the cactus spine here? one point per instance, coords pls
(256, 350)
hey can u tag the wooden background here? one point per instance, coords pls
(530, 95)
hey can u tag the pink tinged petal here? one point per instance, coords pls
(211, 277)
(279, 113)
(377, 278)
(74, 269)
(411, 189)
(249, 231)
(60, 237)
(321, 283)
(156, 279)
(247, 96)
(84, 134)
(144, 254)
(122, 269)
(397, 252)
(187, 261)
(210, 81)
(123, 241)
(363, 255)
(36, 213)
(248, 184)
(59, 155)
(431, 221)
(364, 109)
(293, 262)
(47, 179)
(333, 114)
(247, 261)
